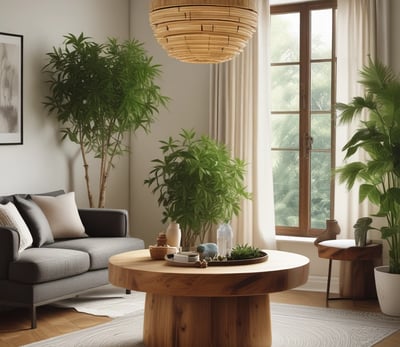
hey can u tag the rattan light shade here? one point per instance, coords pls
(203, 31)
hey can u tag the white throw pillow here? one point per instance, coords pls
(10, 217)
(62, 214)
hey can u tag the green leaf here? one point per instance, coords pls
(371, 192)
(389, 232)
(350, 172)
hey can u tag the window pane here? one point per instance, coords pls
(321, 86)
(285, 88)
(321, 131)
(285, 29)
(321, 34)
(285, 131)
(286, 187)
(320, 189)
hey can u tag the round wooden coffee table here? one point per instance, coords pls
(219, 306)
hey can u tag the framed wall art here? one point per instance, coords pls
(11, 54)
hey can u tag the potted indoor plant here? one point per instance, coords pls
(198, 184)
(99, 93)
(379, 174)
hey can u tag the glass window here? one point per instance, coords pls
(302, 80)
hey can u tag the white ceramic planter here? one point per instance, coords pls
(387, 289)
(173, 235)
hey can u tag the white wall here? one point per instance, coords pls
(188, 87)
(42, 163)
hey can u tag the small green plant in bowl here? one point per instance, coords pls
(245, 251)
(240, 255)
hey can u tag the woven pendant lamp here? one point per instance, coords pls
(203, 31)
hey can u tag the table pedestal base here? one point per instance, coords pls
(357, 279)
(171, 321)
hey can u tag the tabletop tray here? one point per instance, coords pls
(263, 258)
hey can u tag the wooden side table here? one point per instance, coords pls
(357, 267)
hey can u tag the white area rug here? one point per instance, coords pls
(106, 301)
(292, 326)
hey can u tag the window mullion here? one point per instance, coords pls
(304, 202)
(333, 110)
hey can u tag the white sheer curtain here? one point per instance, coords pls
(239, 118)
(362, 31)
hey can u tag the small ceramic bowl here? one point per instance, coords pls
(159, 252)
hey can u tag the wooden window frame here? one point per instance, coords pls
(304, 9)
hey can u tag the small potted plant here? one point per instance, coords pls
(361, 228)
(198, 184)
(379, 137)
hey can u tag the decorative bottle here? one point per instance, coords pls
(174, 235)
(224, 239)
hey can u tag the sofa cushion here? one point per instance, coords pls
(62, 214)
(6, 198)
(37, 265)
(100, 248)
(35, 220)
(10, 217)
(51, 193)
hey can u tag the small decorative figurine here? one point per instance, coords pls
(158, 251)
(161, 239)
(207, 250)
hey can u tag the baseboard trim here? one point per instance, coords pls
(318, 284)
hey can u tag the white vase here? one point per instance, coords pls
(387, 289)
(174, 235)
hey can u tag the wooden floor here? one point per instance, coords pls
(15, 325)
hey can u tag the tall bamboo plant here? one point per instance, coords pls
(99, 93)
(379, 137)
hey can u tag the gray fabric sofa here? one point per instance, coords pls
(61, 268)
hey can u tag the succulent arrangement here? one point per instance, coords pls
(245, 252)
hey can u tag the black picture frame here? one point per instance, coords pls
(11, 86)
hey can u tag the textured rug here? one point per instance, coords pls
(292, 325)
